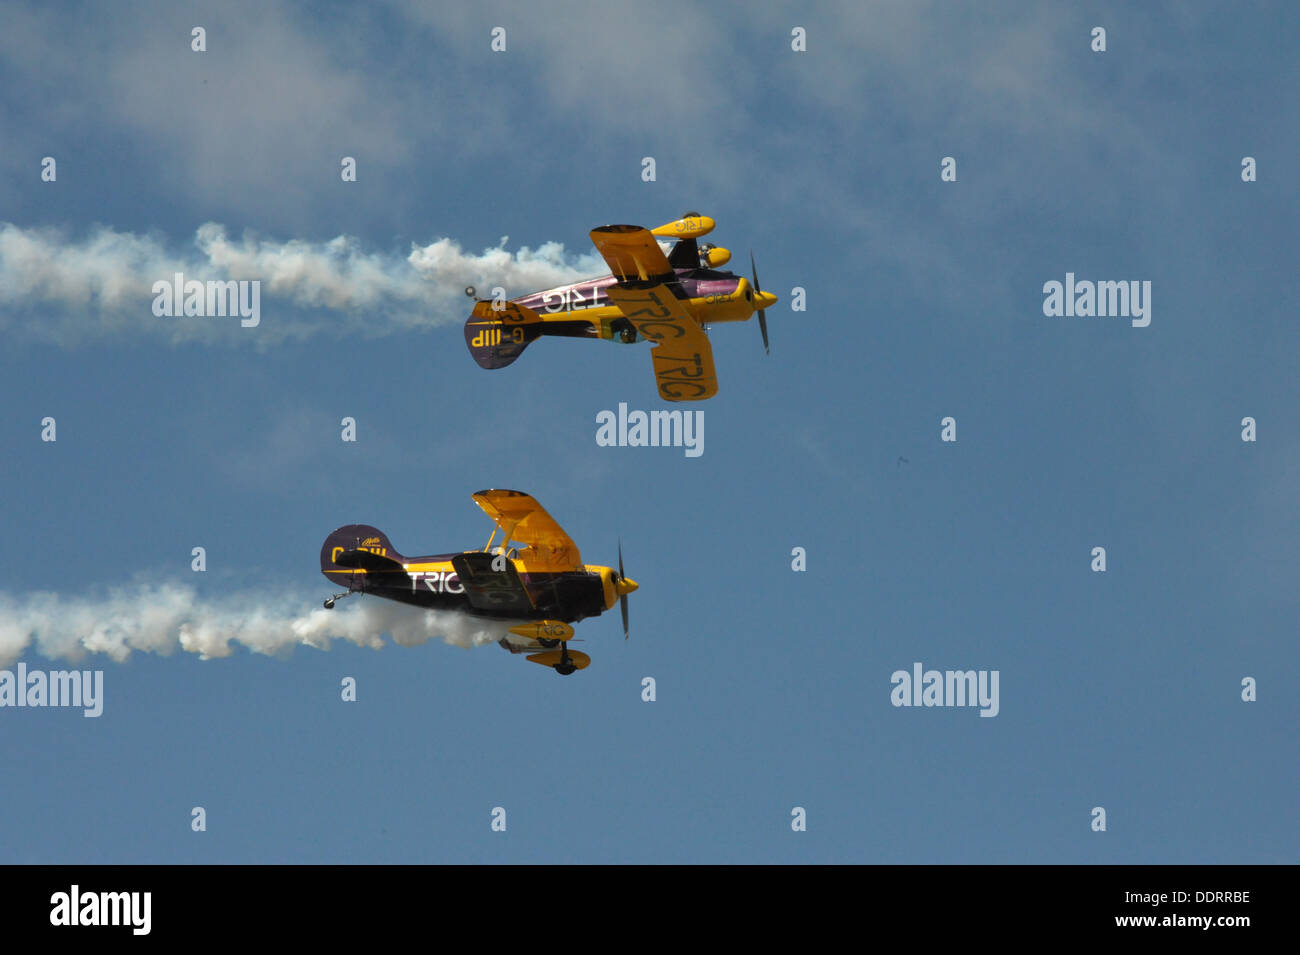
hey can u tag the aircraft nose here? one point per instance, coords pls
(626, 586)
(764, 300)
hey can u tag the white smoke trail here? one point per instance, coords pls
(72, 291)
(162, 618)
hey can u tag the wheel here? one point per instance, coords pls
(329, 603)
(564, 669)
(548, 644)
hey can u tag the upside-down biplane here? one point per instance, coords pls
(668, 299)
(533, 577)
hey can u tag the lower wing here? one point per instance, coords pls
(488, 588)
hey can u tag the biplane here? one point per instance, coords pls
(533, 577)
(668, 299)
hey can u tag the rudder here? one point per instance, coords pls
(354, 537)
(496, 337)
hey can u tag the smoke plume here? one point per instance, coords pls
(72, 291)
(164, 618)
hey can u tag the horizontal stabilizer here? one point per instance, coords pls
(369, 562)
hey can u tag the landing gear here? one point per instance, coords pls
(562, 660)
(548, 644)
(329, 601)
(565, 666)
(621, 330)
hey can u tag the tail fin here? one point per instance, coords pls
(353, 537)
(496, 337)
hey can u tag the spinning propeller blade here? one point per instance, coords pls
(622, 598)
(762, 317)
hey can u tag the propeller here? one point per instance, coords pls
(762, 318)
(622, 598)
(623, 586)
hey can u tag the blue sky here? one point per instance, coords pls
(1120, 690)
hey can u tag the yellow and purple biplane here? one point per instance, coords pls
(533, 577)
(668, 299)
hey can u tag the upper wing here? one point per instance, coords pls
(524, 520)
(682, 356)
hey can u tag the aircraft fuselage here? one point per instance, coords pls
(583, 310)
(433, 583)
